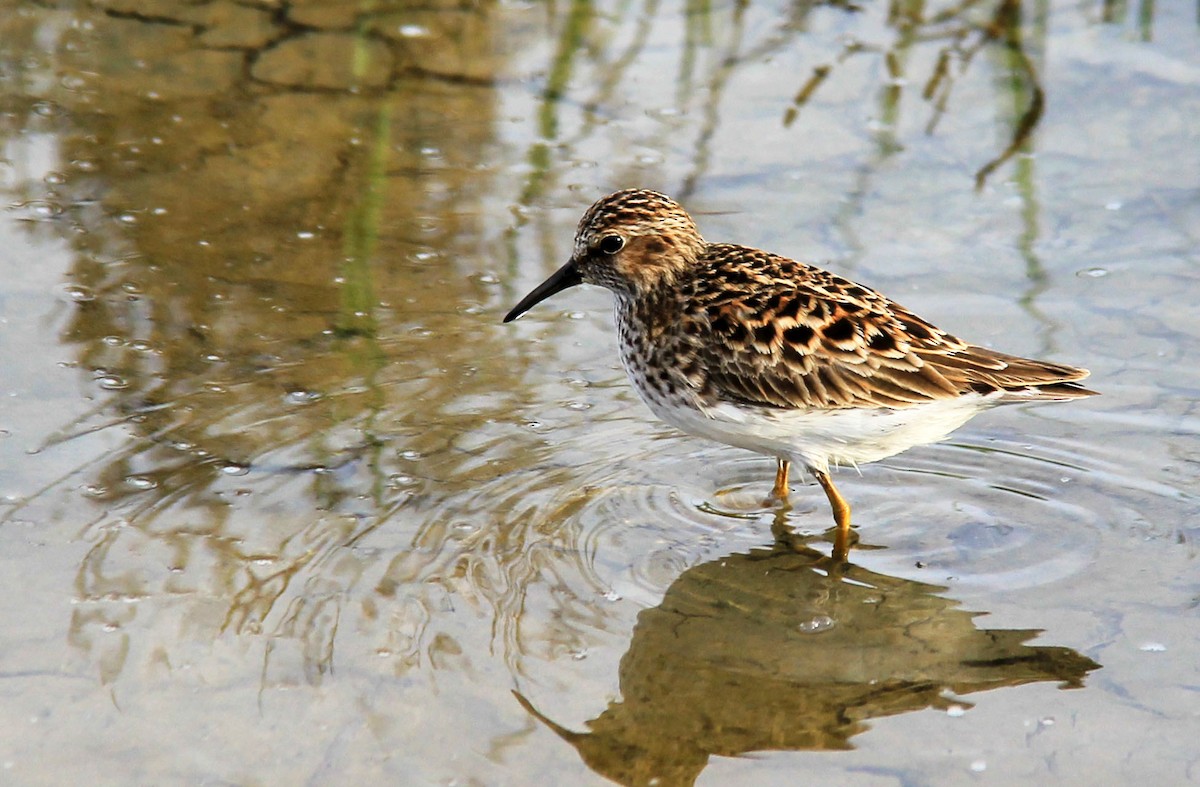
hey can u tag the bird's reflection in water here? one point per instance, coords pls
(784, 649)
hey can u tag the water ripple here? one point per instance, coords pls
(988, 510)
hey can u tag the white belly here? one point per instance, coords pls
(818, 438)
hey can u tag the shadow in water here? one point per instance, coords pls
(782, 649)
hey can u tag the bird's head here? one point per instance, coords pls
(631, 242)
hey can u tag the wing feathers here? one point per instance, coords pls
(793, 336)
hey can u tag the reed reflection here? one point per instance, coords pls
(783, 649)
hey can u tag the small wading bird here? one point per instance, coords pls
(772, 355)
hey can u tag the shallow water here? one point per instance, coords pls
(284, 501)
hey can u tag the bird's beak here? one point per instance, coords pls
(561, 279)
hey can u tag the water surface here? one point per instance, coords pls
(284, 502)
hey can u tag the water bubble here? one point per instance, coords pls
(579, 406)
(141, 482)
(611, 595)
(48, 210)
(306, 235)
(234, 469)
(1093, 273)
(410, 454)
(54, 178)
(94, 490)
(112, 382)
(300, 397)
(413, 31)
(159, 211)
(979, 766)
(817, 624)
(579, 655)
(955, 711)
(1153, 647)
(39, 209)
(127, 218)
(1115, 204)
(113, 341)
(1047, 721)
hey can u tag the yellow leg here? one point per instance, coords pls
(841, 515)
(780, 491)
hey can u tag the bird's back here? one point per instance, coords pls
(758, 328)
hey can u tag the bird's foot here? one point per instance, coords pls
(844, 539)
(775, 500)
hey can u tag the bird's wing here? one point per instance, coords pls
(770, 331)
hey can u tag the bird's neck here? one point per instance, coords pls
(653, 310)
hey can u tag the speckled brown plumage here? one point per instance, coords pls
(754, 349)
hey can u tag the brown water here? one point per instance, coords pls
(284, 502)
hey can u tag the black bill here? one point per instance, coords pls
(561, 279)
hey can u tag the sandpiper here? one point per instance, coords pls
(782, 358)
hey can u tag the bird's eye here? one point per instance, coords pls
(611, 244)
